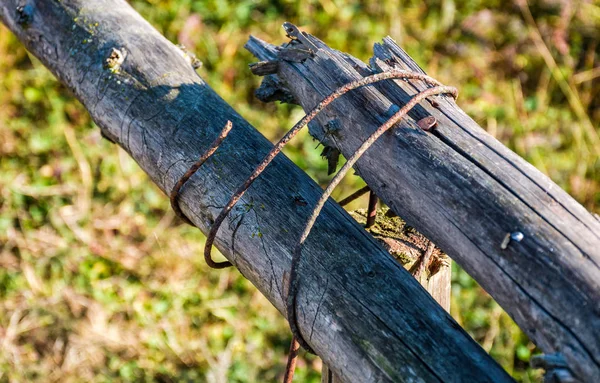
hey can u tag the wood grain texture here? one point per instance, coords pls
(466, 191)
(361, 311)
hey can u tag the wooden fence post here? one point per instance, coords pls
(529, 244)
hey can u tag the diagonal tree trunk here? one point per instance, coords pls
(525, 240)
(362, 312)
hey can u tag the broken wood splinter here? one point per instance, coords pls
(264, 68)
(294, 33)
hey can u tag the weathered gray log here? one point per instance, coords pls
(436, 278)
(467, 192)
(361, 311)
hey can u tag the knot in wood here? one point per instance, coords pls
(115, 59)
(24, 14)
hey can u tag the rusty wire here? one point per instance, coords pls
(357, 194)
(290, 367)
(371, 210)
(392, 74)
(175, 192)
(424, 261)
(293, 282)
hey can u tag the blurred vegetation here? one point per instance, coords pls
(99, 282)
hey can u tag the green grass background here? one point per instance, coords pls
(99, 282)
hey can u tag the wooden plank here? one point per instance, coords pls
(467, 192)
(362, 312)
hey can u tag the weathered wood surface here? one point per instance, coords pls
(437, 276)
(362, 312)
(466, 191)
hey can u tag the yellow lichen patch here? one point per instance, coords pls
(402, 241)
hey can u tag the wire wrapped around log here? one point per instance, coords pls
(392, 74)
(294, 280)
